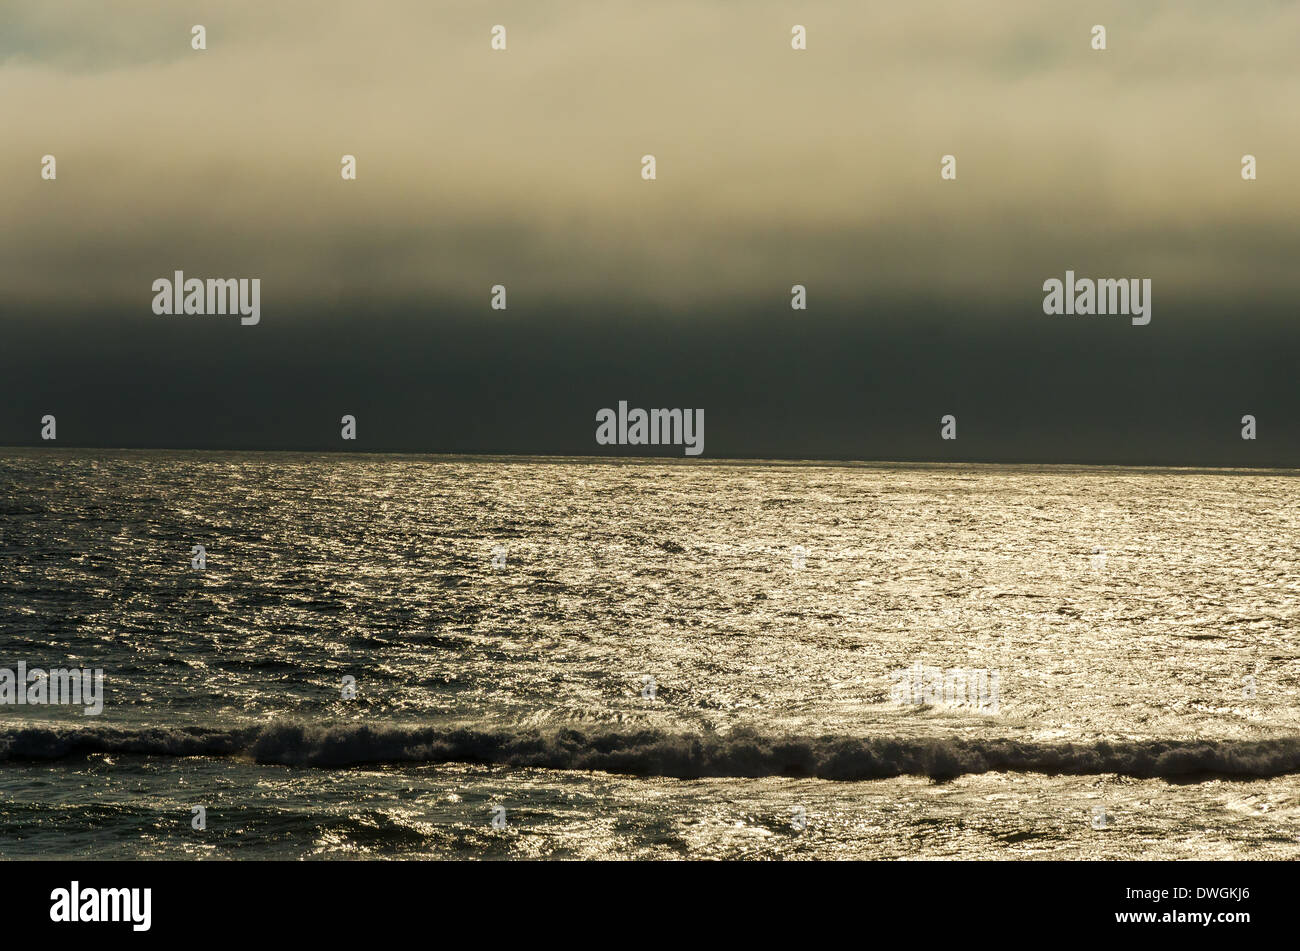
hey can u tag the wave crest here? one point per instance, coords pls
(654, 752)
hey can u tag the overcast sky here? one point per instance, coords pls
(775, 167)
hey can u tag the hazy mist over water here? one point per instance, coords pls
(503, 619)
(817, 168)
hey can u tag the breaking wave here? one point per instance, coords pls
(653, 752)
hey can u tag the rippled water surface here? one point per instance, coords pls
(647, 659)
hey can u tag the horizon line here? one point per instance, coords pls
(739, 459)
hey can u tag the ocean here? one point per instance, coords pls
(388, 656)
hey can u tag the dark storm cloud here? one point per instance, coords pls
(840, 385)
(775, 168)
